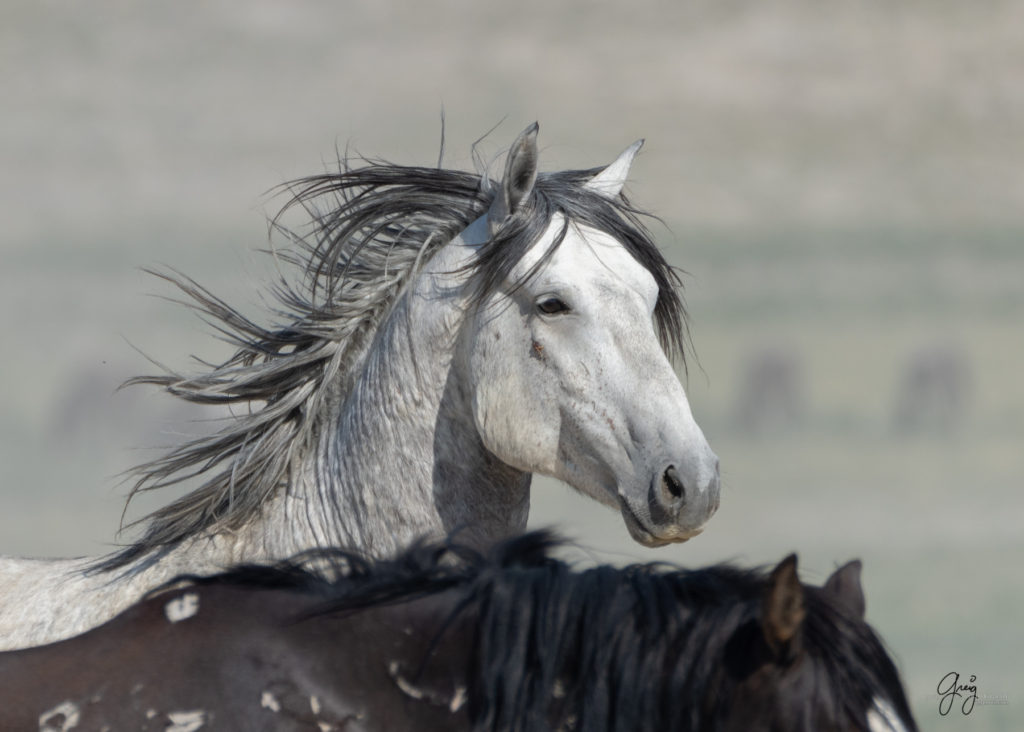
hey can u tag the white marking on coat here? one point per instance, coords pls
(314, 705)
(459, 698)
(402, 684)
(185, 721)
(183, 607)
(883, 718)
(61, 718)
(269, 701)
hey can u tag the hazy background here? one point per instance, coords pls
(843, 181)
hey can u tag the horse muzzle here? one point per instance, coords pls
(675, 508)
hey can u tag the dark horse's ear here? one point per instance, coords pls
(782, 610)
(517, 183)
(844, 587)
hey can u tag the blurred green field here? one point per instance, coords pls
(843, 188)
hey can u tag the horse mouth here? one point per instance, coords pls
(643, 535)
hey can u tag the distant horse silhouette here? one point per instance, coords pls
(933, 392)
(449, 336)
(771, 391)
(444, 638)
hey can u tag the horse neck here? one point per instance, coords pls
(400, 456)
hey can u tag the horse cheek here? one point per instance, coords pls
(515, 409)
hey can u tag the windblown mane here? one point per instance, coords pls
(635, 648)
(371, 229)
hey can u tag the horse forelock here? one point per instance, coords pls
(370, 230)
(861, 675)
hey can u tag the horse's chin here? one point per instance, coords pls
(642, 535)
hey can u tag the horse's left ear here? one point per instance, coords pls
(517, 183)
(609, 182)
(782, 610)
(844, 587)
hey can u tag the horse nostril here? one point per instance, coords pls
(672, 485)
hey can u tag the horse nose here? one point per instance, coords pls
(672, 490)
(671, 494)
(667, 496)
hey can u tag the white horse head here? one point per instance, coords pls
(563, 361)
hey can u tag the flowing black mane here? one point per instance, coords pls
(637, 648)
(371, 227)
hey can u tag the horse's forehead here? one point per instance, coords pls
(588, 255)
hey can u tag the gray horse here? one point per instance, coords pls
(449, 336)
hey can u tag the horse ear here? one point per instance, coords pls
(782, 610)
(609, 182)
(517, 183)
(844, 587)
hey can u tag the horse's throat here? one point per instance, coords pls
(406, 459)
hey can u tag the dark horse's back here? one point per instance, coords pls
(224, 657)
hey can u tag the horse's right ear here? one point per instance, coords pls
(610, 181)
(782, 610)
(517, 183)
(844, 587)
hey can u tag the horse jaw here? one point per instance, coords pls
(588, 396)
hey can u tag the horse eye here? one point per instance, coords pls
(552, 305)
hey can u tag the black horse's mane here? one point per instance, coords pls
(632, 648)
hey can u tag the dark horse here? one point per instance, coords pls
(444, 638)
